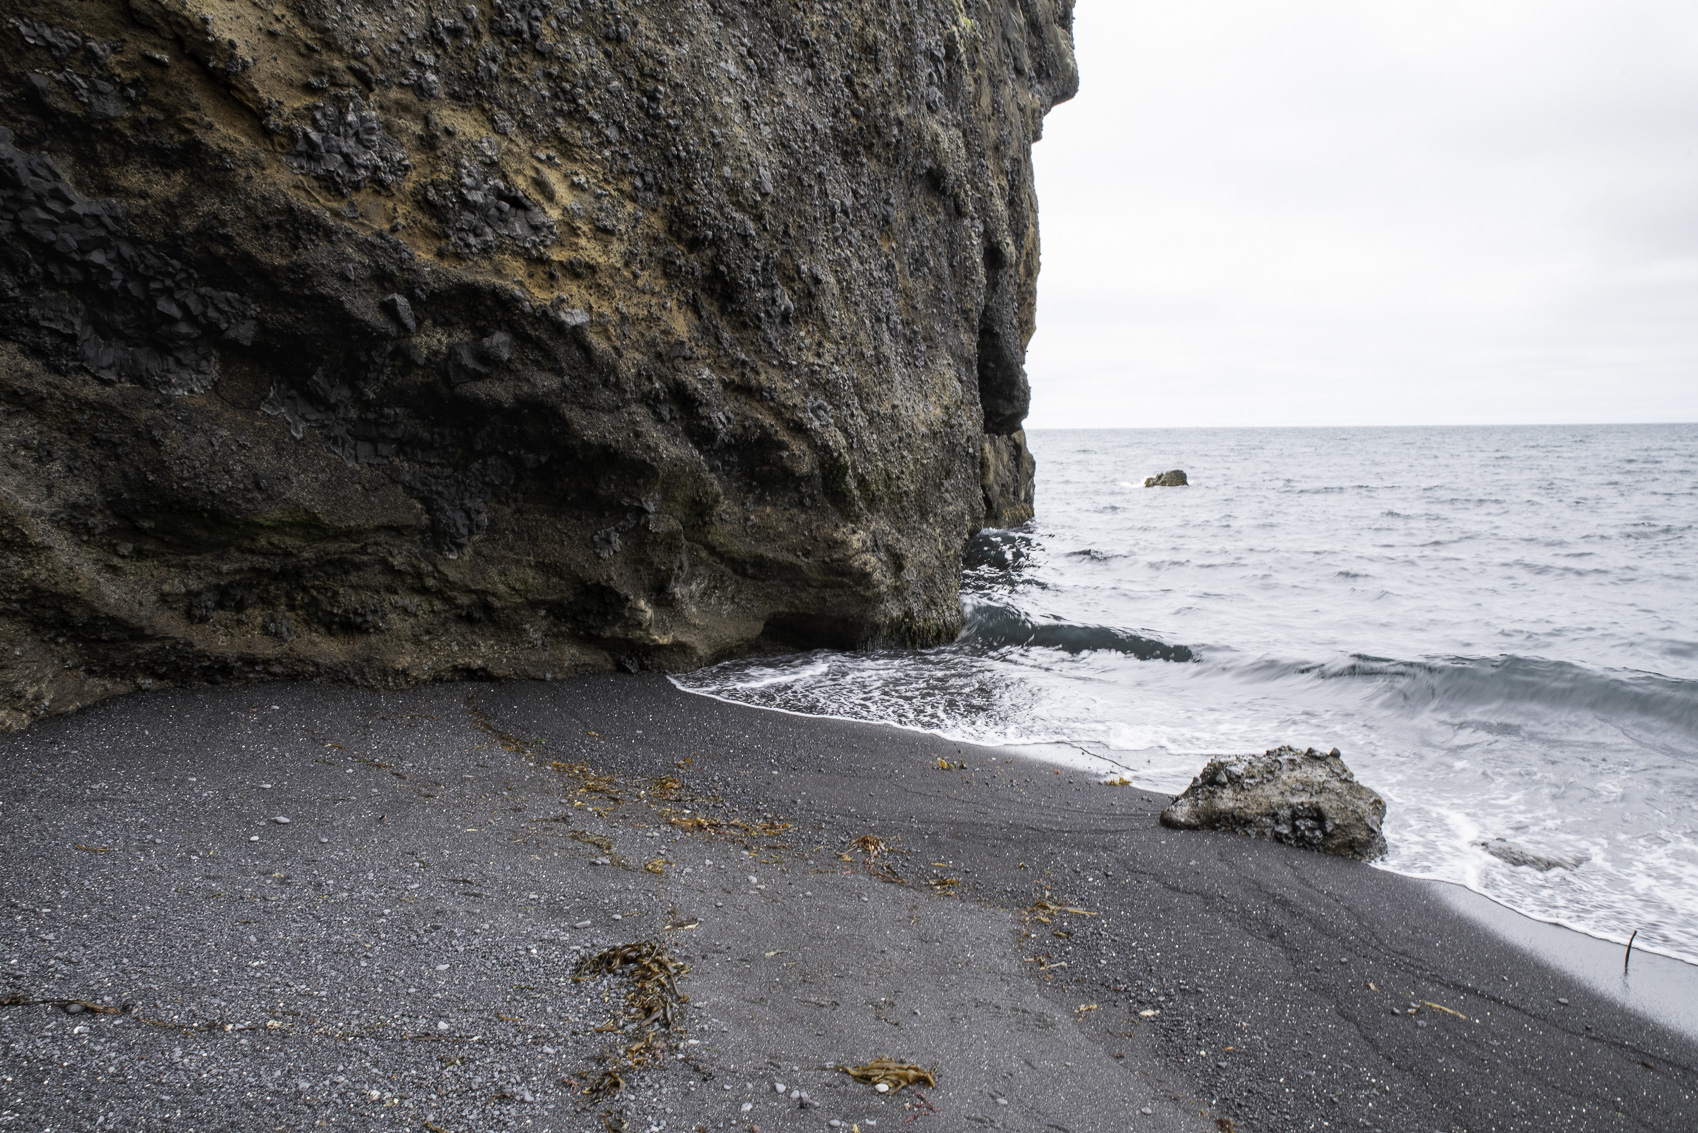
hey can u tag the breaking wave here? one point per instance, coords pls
(1485, 683)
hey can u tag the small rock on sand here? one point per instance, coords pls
(1301, 798)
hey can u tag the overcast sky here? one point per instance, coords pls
(1335, 212)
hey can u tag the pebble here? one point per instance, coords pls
(254, 838)
(582, 924)
(1562, 1001)
(1146, 1109)
(281, 821)
(778, 1087)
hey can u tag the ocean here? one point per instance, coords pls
(1497, 626)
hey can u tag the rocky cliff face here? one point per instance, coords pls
(392, 341)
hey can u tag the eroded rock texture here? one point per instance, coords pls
(396, 341)
(1301, 798)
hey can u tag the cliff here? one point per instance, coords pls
(391, 342)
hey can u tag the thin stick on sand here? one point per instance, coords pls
(1629, 956)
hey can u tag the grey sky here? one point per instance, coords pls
(1371, 212)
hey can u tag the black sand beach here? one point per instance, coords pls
(400, 954)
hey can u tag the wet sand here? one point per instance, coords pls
(401, 953)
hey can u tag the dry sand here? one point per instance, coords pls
(401, 953)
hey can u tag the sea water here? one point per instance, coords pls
(1497, 626)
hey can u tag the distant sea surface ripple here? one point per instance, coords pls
(1498, 626)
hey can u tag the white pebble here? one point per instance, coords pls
(281, 821)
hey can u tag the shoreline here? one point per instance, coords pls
(1059, 956)
(1660, 987)
(1548, 947)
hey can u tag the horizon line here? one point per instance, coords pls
(1423, 425)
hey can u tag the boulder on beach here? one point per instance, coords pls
(1302, 798)
(1173, 479)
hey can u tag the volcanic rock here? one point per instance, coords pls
(1006, 474)
(1174, 479)
(388, 344)
(1301, 798)
(1521, 856)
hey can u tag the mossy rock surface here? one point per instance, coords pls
(387, 344)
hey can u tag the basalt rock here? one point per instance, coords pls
(393, 343)
(1006, 472)
(1521, 856)
(1173, 479)
(1301, 798)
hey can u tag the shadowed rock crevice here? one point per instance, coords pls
(390, 345)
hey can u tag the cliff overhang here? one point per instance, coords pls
(393, 342)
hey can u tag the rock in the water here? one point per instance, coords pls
(1173, 479)
(1006, 472)
(395, 343)
(1301, 798)
(1521, 856)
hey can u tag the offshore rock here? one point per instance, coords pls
(1301, 798)
(1006, 473)
(395, 343)
(1173, 479)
